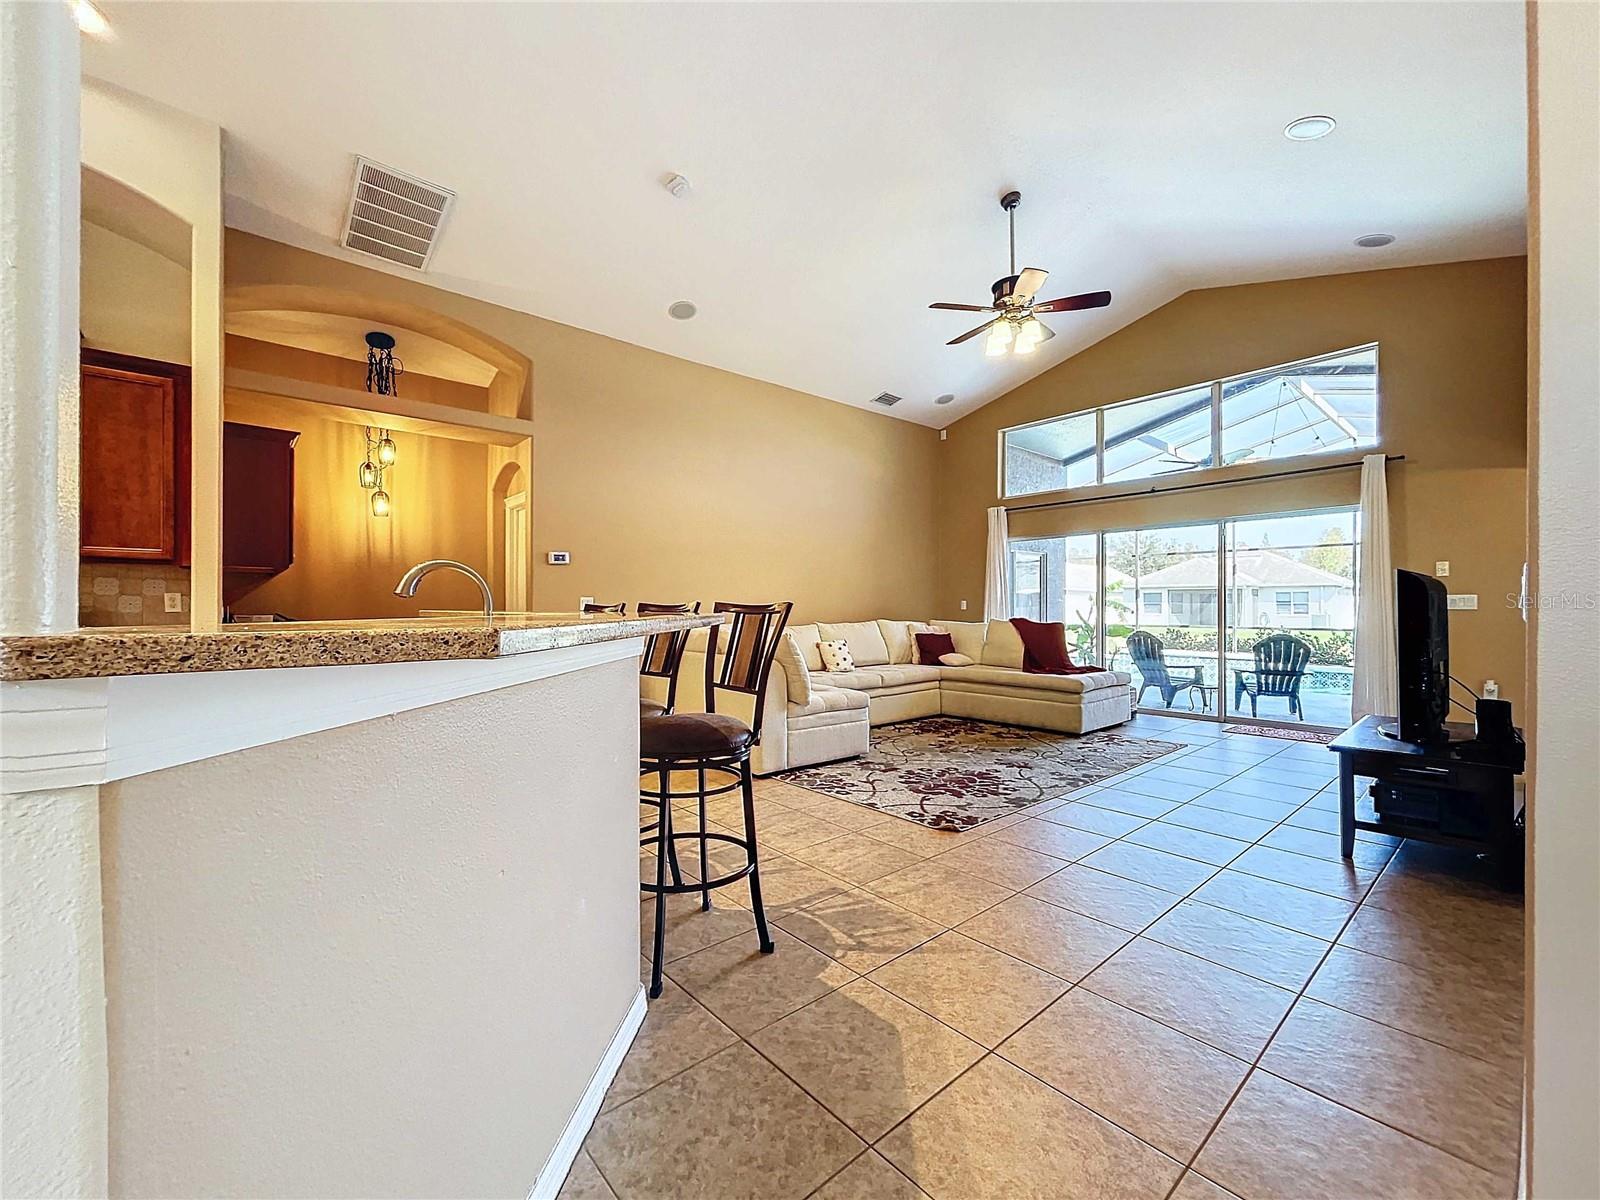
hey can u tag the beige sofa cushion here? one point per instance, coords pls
(1002, 646)
(829, 700)
(794, 667)
(897, 636)
(807, 637)
(1008, 677)
(968, 637)
(867, 646)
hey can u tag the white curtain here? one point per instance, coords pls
(996, 580)
(1376, 678)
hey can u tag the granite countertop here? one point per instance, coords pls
(163, 650)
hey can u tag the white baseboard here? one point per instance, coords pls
(560, 1161)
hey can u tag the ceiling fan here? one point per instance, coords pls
(1017, 329)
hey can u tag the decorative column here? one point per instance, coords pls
(53, 1082)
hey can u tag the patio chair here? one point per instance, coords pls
(1281, 661)
(1149, 656)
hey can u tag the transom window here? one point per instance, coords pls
(1315, 406)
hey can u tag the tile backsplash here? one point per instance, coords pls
(131, 594)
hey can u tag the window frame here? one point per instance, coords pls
(1215, 469)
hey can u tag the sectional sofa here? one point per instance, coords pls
(812, 715)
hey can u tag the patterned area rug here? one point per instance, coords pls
(950, 773)
(1288, 735)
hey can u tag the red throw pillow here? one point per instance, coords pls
(1044, 645)
(931, 645)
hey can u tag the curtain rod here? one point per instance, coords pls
(1186, 487)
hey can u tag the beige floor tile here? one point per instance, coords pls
(1093, 819)
(1441, 1002)
(677, 1033)
(1423, 878)
(1060, 841)
(1155, 1082)
(1109, 898)
(787, 884)
(1451, 1100)
(1174, 791)
(689, 929)
(1249, 784)
(1279, 1140)
(1003, 862)
(1457, 934)
(1372, 856)
(918, 839)
(733, 1126)
(939, 892)
(1221, 1007)
(870, 1177)
(1294, 908)
(1323, 821)
(867, 1055)
(1195, 1186)
(971, 987)
(1119, 800)
(1156, 868)
(1223, 824)
(1268, 952)
(1333, 877)
(584, 1181)
(789, 832)
(843, 813)
(858, 928)
(857, 857)
(1188, 843)
(747, 990)
(1067, 944)
(1246, 806)
(999, 1134)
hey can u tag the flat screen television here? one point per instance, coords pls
(1422, 646)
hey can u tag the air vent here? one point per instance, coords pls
(887, 399)
(394, 216)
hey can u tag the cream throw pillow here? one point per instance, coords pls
(1002, 646)
(795, 670)
(897, 636)
(955, 660)
(968, 637)
(836, 656)
(807, 637)
(867, 646)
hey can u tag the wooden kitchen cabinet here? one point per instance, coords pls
(133, 459)
(257, 503)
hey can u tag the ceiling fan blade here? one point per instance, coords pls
(1029, 282)
(1074, 303)
(971, 333)
(1048, 332)
(965, 307)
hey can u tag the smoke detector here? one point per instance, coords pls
(394, 216)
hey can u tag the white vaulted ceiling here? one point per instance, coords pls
(846, 159)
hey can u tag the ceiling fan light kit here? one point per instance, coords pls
(1017, 329)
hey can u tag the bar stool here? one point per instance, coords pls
(717, 743)
(592, 607)
(663, 655)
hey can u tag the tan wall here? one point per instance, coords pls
(361, 978)
(131, 299)
(668, 480)
(346, 561)
(1452, 359)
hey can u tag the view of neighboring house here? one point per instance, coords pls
(1266, 590)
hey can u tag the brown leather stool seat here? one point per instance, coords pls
(693, 735)
(651, 708)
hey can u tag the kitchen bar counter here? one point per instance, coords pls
(165, 650)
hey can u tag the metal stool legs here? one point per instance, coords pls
(748, 786)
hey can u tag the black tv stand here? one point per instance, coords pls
(1458, 792)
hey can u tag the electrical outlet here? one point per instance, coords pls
(1441, 570)
(172, 601)
(1491, 689)
(584, 601)
(944, 435)
(1464, 600)
(963, 606)
(558, 558)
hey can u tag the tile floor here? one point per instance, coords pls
(1165, 985)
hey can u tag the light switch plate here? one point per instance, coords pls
(584, 600)
(963, 606)
(1441, 569)
(558, 558)
(1465, 600)
(172, 601)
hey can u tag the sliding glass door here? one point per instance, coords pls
(1291, 592)
(1251, 618)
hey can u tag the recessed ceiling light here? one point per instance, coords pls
(91, 20)
(1372, 241)
(681, 310)
(1309, 129)
(944, 399)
